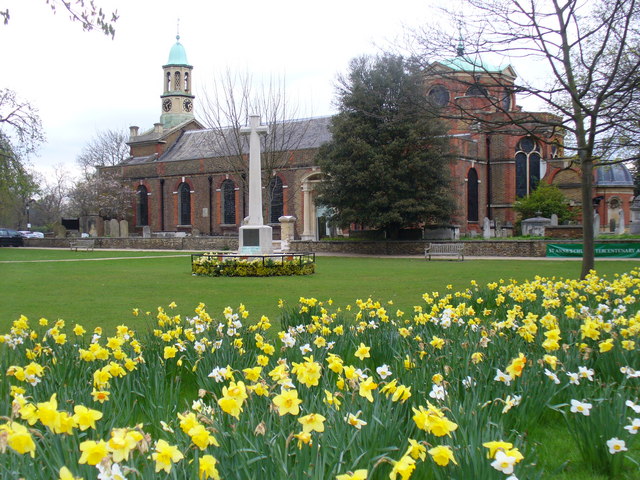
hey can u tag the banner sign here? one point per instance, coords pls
(621, 250)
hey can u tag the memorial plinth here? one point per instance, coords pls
(255, 238)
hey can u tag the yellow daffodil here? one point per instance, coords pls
(314, 422)
(207, 468)
(165, 456)
(363, 352)
(360, 474)
(442, 455)
(287, 402)
(93, 452)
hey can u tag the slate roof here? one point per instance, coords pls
(211, 143)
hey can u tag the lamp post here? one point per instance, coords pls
(29, 202)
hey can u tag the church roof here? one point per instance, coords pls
(177, 54)
(613, 175)
(464, 63)
(212, 143)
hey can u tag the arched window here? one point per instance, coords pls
(142, 206)
(476, 90)
(276, 197)
(228, 202)
(176, 82)
(527, 166)
(506, 100)
(167, 86)
(472, 195)
(186, 82)
(184, 204)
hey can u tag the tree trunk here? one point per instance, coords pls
(588, 252)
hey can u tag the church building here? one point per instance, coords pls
(186, 177)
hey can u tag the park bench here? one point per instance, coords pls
(444, 250)
(82, 244)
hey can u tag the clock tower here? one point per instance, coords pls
(177, 99)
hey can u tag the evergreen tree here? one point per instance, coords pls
(545, 200)
(386, 166)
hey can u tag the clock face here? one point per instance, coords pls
(188, 105)
(166, 105)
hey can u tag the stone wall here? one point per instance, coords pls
(479, 248)
(184, 243)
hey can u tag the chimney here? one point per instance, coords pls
(133, 131)
(157, 128)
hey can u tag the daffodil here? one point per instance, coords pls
(165, 456)
(355, 421)
(314, 422)
(581, 407)
(85, 417)
(616, 445)
(442, 455)
(360, 474)
(363, 351)
(207, 468)
(93, 452)
(287, 402)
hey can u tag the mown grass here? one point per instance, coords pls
(104, 292)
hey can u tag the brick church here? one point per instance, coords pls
(183, 182)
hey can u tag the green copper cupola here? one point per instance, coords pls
(178, 55)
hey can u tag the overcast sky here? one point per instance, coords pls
(83, 82)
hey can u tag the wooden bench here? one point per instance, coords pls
(82, 244)
(444, 250)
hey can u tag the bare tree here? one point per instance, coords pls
(107, 149)
(101, 191)
(102, 194)
(52, 201)
(20, 135)
(589, 52)
(86, 12)
(20, 123)
(226, 110)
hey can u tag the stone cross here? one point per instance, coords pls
(254, 130)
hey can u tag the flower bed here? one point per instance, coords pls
(450, 389)
(233, 265)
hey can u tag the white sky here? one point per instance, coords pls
(84, 82)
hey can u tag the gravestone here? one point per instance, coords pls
(114, 228)
(554, 220)
(620, 227)
(124, 228)
(93, 231)
(255, 237)
(486, 228)
(146, 231)
(287, 233)
(107, 229)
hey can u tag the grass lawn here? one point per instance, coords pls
(104, 292)
(101, 288)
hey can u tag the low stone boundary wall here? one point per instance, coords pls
(473, 248)
(202, 244)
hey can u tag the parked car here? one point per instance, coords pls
(30, 234)
(10, 238)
